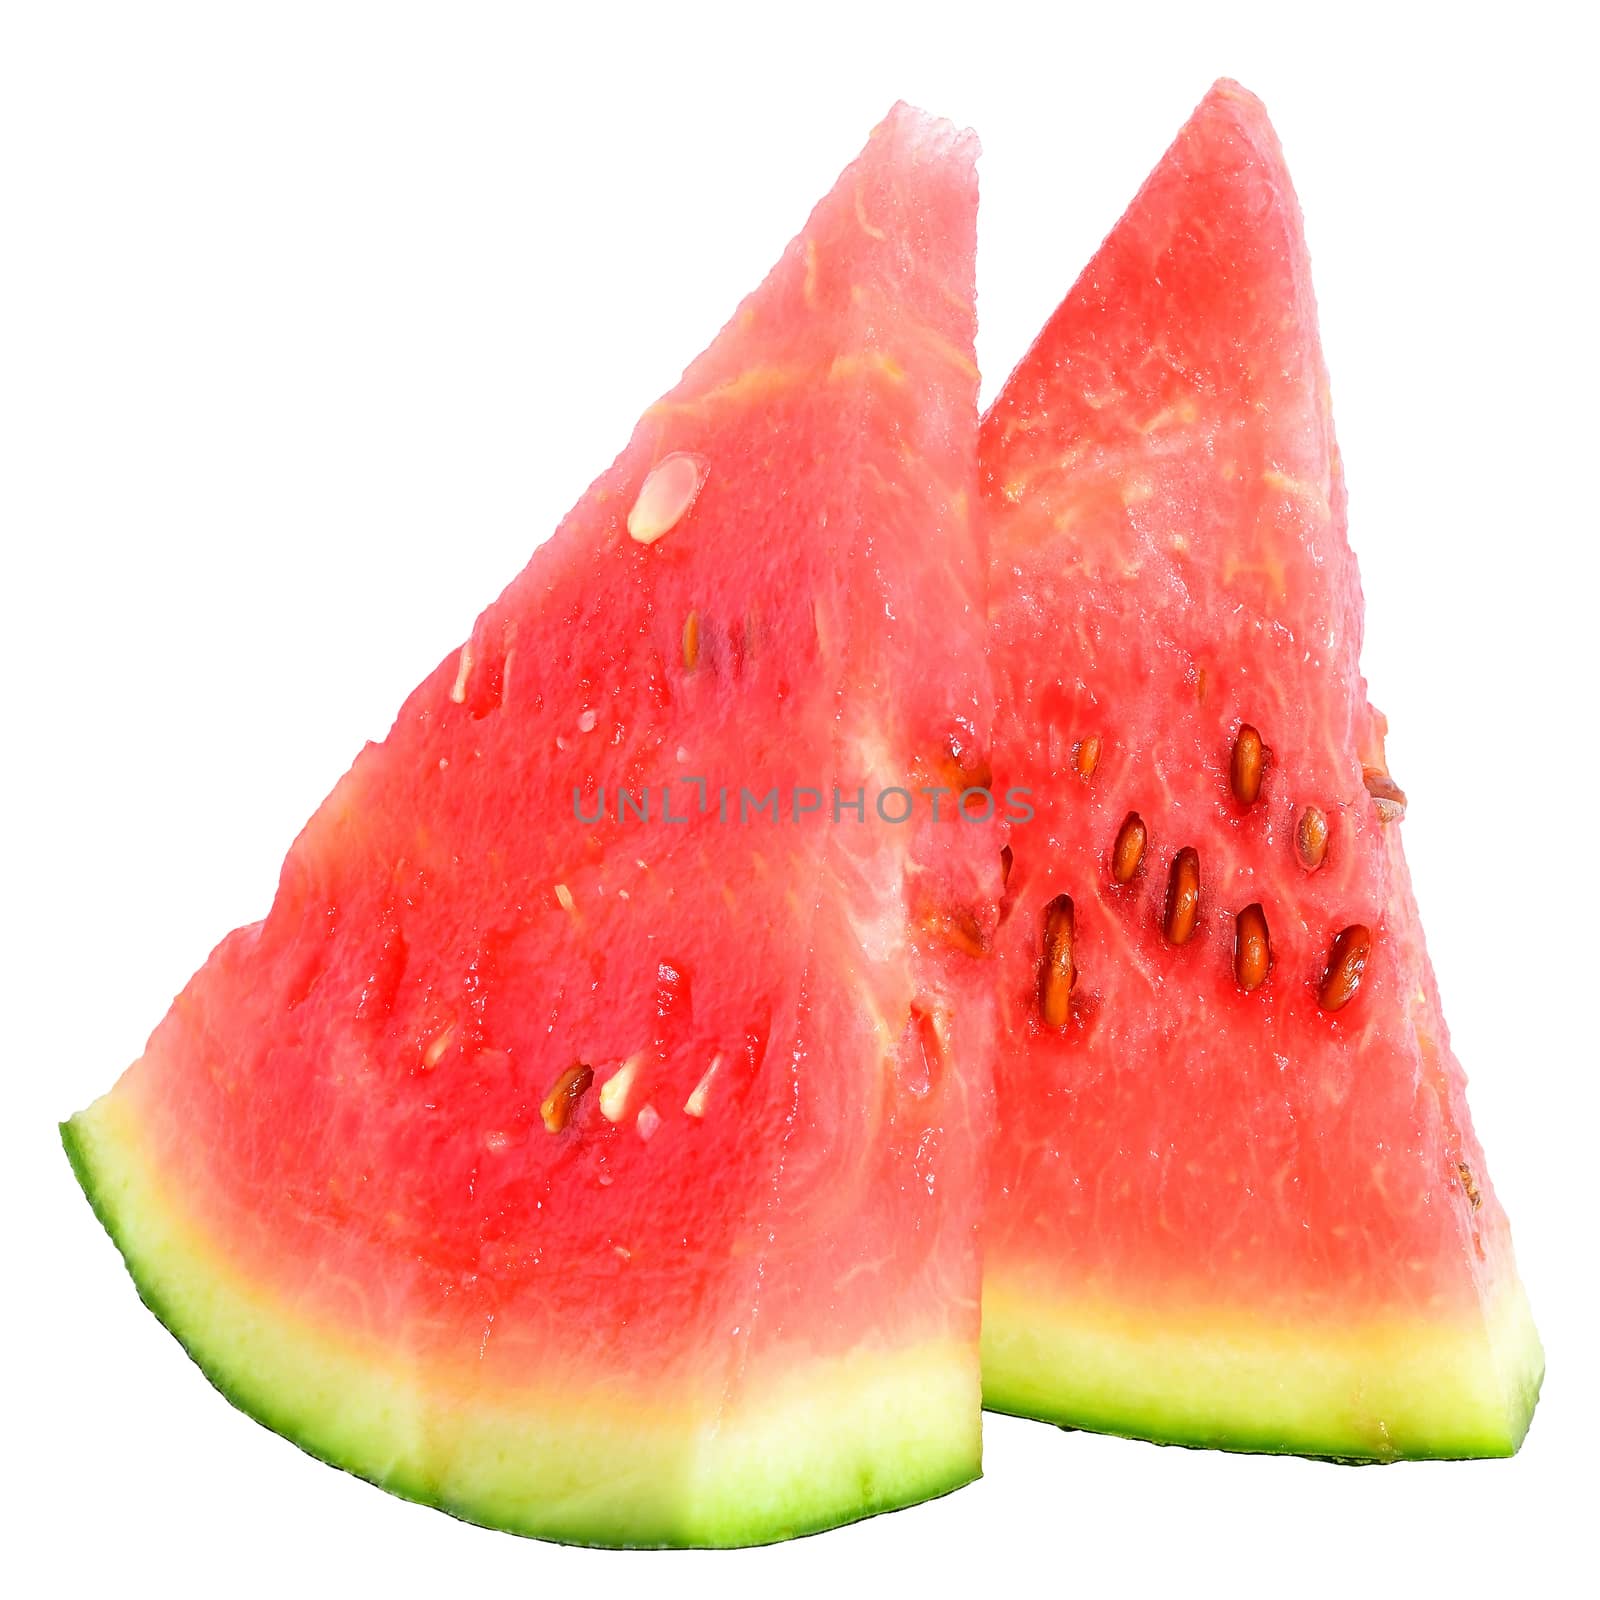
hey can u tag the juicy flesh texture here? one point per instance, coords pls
(347, 1102)
(1166, 516)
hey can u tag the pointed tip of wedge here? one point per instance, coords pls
(926, 134)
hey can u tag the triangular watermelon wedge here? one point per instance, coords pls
(1237, 1200)
(588, 1140)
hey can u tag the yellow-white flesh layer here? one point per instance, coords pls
(1365, 1391)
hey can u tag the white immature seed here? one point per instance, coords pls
(670, 488)
(699, 1096)
(564, 897)
(458, 690)
(614, 1091)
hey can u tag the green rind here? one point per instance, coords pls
(1381, 1392)
(819, 1459)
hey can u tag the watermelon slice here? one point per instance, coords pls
(1237, 1200)
(588, 1140)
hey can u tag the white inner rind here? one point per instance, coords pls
(1366, 1390)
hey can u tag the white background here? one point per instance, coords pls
(313, 319)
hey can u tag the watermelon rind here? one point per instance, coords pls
(1369, 1392)
(550, 1463)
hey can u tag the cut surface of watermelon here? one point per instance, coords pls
(587, 1143)
(1236, 1197)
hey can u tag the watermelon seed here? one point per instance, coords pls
(1006, 859)
(1388, 795)
(1058, 974)
(614, 1091)
(1311, 838)
(1086, 756)
(458, 690)
(1128, 851)
(1347, 960)
(670, 488)
(1470, 1184)
(1249, 760)
(959, 928)
(964, 769)
(1252, 950)
(691, 640)
(564, 1095)
(437, 1046)
(648, 1120)
(1182, 913)
(695, 1105)
(564, 897)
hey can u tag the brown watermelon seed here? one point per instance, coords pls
(963, 769)
(1252, 949)
(1347, 960)
(691, 640)
(1128, 851)
(1006, 859)
(1389, 797)
(1059, 974)
(974, 770)
(1086, 755)
(564, 1095)
(1183, 897)
(1311, 838)
(959, 928)
(1470, 1184)
(1249, 761)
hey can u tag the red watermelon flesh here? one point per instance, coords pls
(1236, 1199)
(607, 1177)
